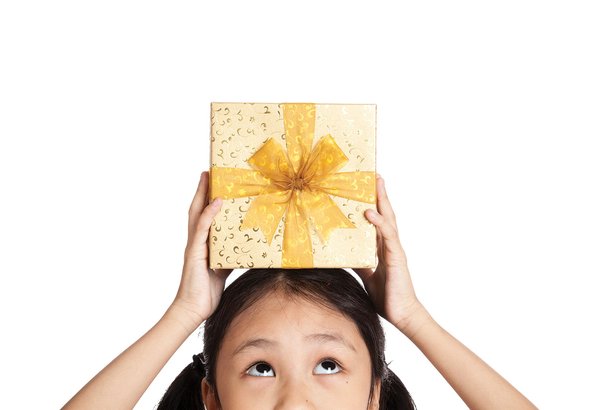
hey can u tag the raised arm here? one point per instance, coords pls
(123, 381)
(391, 289)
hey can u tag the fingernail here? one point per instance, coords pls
(217, 202)
(378, 175)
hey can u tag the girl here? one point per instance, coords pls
(293, 338)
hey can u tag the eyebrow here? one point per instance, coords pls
(315, 338)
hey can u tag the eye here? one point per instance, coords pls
(260, 369)
(327, 366)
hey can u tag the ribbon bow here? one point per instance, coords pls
(296, 184)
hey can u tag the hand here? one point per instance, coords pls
(389, 286)
(200, 287)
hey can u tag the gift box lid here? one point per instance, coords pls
(296, 179)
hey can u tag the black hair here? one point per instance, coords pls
(322, 286)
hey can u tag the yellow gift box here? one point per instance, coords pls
(295, 179)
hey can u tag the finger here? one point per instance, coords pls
(386, 228)
(367, 276)
(204, 223)
(363, 273)
(223, 273)
(199, 201)
(379, 244)
(383, 205)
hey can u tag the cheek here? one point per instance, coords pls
(236, 396)
(241, 392)
(346, 391)
(340, 392)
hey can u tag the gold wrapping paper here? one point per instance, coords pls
(295, 179)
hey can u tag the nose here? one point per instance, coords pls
(295, 395)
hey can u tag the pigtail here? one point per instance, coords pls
(185, 391)
(394, 395)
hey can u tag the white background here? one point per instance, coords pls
(496, 128)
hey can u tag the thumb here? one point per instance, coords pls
(199, 245)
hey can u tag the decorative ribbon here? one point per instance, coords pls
(297, 184)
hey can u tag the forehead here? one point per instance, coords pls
(277, 315)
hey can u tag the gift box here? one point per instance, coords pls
(295, 179)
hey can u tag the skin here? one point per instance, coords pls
(123, 381)
(295, 375)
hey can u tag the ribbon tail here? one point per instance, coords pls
(296, 243)
(324, 214)
(265, 213)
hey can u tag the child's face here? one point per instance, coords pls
(287, 354)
